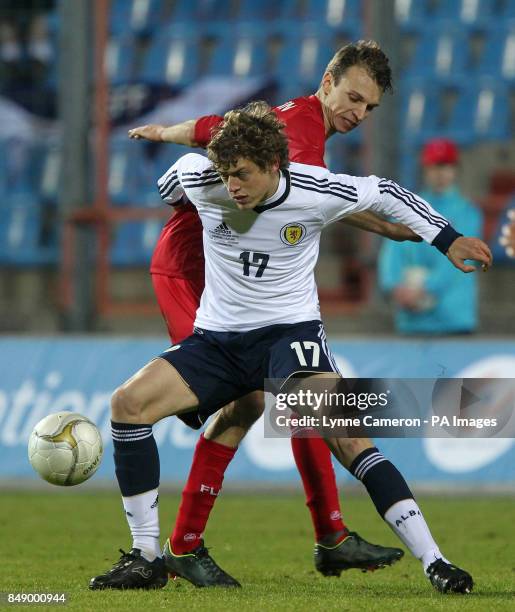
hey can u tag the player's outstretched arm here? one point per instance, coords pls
(469, 248)
(371, 222)
(180, 133)
(350, 194)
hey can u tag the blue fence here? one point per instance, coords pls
(43, 375)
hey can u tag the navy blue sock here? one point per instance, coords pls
(136, 458)
(383, 481)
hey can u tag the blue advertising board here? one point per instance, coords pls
(43, 375)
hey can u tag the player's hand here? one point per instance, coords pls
(507, 239)
(151, 132)
(400, 232)
(469, 248)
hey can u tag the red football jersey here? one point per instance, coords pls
(178, 252)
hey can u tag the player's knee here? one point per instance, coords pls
(125, 407)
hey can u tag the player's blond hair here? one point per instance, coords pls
(366, 54)
(253, 132)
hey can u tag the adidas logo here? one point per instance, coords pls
(223, 234)
(223, 228)
(286, 106)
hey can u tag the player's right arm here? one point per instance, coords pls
(180, 133)
(191, 133)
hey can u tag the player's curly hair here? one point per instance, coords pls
(253, 132)
(366, 54)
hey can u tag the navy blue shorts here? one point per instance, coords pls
(220, 367)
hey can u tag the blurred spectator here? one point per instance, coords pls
(25, 49)
(508, 235)
(428, 295)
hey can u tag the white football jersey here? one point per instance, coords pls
(260, 263)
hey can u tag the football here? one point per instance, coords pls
(65, 448)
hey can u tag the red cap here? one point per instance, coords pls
(440, 151)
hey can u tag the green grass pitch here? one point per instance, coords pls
(55, 541)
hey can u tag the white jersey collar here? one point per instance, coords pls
(281, 193)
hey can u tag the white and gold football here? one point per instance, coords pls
(65, 448)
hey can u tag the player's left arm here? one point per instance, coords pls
(367, 221)
(388, 198)
(370, 222)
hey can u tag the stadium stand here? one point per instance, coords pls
(419, 99)
(121, 59)
(173, 56)
(240, 51)
(498, 59)
(125, 170)
(266, 10)
(468, 13)
(481, 112)
(141, 17)
(21, 233)
(203, 11)
(303, 56)
(441, 52)
(133, 242)
(334, 13)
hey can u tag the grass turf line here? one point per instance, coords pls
(56, 541)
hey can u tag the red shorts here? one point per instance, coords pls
(178, 300)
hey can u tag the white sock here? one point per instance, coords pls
(406, 519)
(143, 518)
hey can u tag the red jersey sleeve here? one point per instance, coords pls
(203, 128)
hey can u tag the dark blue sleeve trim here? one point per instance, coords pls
(445, 238)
